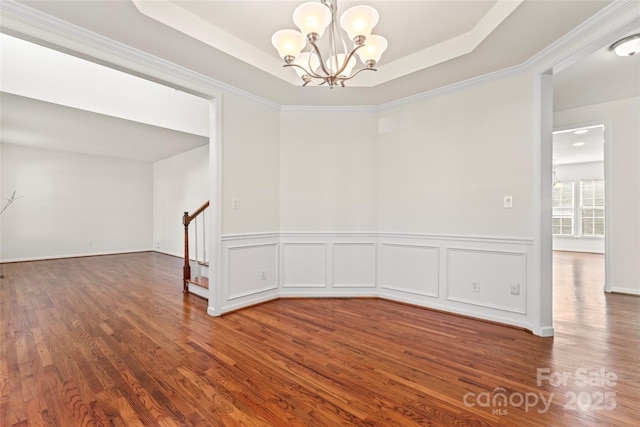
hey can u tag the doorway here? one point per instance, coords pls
(578, 215)
(578, 195)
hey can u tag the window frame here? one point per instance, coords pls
(563, 212)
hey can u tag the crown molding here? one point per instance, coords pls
(591, 35)
(21, 20)
(609, 21)
(332, 109)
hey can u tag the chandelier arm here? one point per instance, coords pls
(310, 73)
(316, 83)
(344, 79)
(347, 59)
(315, 48)
(298, 66)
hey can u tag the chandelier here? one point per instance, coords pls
(338, 63)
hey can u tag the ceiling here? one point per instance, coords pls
(579, 145)
(31, 122)
(244, 28)
(432, 44)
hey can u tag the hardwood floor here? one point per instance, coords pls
(112, 341)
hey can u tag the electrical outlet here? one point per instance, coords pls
(263, 274)
(515, 288)
(475, 286)
(508, 202)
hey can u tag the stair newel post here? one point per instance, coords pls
(186, 270)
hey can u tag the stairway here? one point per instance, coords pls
(195, 272)
(199, 284)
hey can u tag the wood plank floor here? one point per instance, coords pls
(112, 341)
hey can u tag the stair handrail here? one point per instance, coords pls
(186, 220)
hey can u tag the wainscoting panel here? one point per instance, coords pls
(303, 264)
(432, 271)
(354, 265)
(245, 280)
(249, 271)
(410, 268)
(486, 278)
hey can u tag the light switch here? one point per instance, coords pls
(508, 202)
(235, 203)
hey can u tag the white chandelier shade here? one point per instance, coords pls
(337, 65)
(359, 21)
(373, 50)
(312, 18)
(288, 43)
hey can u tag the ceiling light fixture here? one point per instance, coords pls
(627, 46)
(335, 67)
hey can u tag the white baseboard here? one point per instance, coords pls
(80, 255)
(432, 271)
(629, 291)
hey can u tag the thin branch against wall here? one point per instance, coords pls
(6, 204)
(9, 201)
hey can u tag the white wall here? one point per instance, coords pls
(73, 204)
(250, 163)
(576, 172)
(328, 170)
(180, 183)
(622, 157)
(447, 162)
(406, 204)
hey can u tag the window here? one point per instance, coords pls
(562, 221)
(592, 208)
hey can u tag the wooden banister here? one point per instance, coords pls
(186, 220)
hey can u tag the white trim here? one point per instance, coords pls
(611, 22)
(322, 234)
(34, 24)
(251, 292)
(320, 282)
(457, 237)
(330, 109)
(401, 289)
(247, 236)
(82, 255)
(281, 262)
(545, 331)
(37, 25)
(520, 310)
(215, 196)
(335, 284)
(198, 290)
(453, 87)
(619, 290)
(594, 28)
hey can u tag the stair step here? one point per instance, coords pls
(203, 282)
